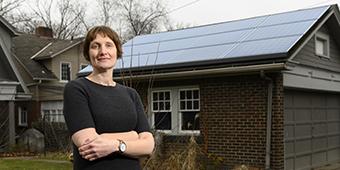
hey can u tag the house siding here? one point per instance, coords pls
(53, 90)
(73, 56)
(233, 119)
(307, 54)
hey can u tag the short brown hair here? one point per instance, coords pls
(105, 31)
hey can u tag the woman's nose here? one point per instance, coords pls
(103, 50)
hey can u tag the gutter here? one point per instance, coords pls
(237, 69)
(269, 119)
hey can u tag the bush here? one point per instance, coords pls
(57, 137)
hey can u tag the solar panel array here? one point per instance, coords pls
(263, 35)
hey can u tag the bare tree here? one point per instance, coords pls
(108, 12)
(137, 17)
(7, 6)
(64, 17)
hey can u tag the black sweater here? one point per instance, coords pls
(107, 109)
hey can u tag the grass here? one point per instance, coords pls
(22, 163)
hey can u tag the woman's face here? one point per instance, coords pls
(103, 53)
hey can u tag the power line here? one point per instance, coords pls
(183, 6)
(319, 3)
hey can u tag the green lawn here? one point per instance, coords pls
(33, 164)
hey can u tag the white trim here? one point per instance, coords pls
(179, 100)
(60, 71)
(324, 38)
(20, 111)
(67, 48)
(304, 77)
(176, 120)
(310, 36)
(213, 71)
(158, 91)
(8, 53)
(36, 54)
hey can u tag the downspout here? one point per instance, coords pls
(269, 118)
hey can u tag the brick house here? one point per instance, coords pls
(263, 91)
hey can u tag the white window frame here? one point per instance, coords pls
(22, 121)
(61, 71)
(170, 110)
(176, 116)
(325, 38)
(194, 110)
(52, 111)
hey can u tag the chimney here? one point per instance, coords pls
(44, 32)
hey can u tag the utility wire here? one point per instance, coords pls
(319, 3)
(183, 6)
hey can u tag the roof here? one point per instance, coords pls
(8, 26)
(258, 38)
(29, 49)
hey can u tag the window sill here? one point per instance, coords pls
(181, 138)
(322, 56)
(63, 81)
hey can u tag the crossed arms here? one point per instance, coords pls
(92, 145)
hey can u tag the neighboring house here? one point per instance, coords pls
(12, 89)
(263, 91)
(46, 65)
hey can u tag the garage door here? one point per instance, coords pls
(312, 129)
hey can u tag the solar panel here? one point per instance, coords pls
(263, 35)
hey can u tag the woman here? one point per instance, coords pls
(106, 119)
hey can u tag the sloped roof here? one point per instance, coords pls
(247, 38)
(56, 47)
(8, 26)
(29, 49)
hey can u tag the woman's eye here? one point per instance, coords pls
(109, 45)
(94, 46)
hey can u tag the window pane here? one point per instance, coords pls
(155, 106)
(167, 95)
(196, 104)
(319, 46)
(163, 121)
(190, 121)
(161, 95)
(65, 71)
(182, 95)
(189, 94)
(161, 106)
(196, 96)
(167, 105)
(189, 105)
(154, 96)
(182, 105)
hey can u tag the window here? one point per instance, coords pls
(189, 109)
(176, 111)
(161, 107)
(322, 45)
(22, 116)
(52, 111)
(53, 116)
(65, 71)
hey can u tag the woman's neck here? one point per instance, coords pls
(104, 78)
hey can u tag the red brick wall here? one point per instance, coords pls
(233, 118)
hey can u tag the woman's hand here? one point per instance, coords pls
(98, 148)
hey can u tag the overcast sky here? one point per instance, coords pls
(201, 12)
